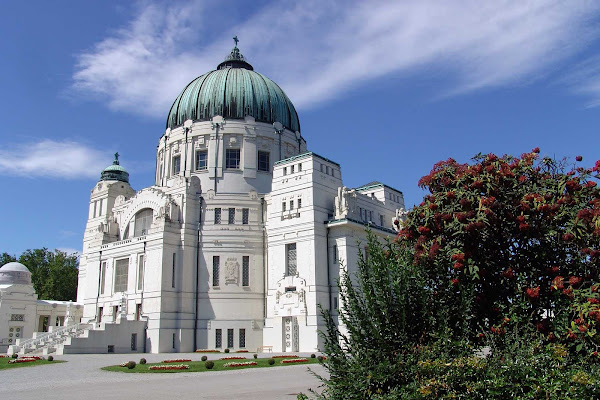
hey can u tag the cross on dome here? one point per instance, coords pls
(236, 40)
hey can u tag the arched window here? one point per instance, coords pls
(143, 220)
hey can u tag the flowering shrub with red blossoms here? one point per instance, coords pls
(25, 359)
(232, 358)
(207, 351)
(176, 360)
(168, 367)
(286, 356)
(503, 229)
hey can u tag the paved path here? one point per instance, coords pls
(81, 378)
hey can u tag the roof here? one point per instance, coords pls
(374, 184)
(304, 155)
(234, 90)
(115, 172)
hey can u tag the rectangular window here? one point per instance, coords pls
(322, 168)
(102, 276)
(327, 169)
(138, 311)
(201, 160)
(300, 167)
(217, 216)
(263, 161)
(381, 220)
(246, 271)
(134, 341)
(17, 317)
(140, 284)
(291, 169)
(60, 321)
(283, 206)
(290, 265)
(100, 311)
(335, 303)
(218, 339)
(176, 164)
(299, 203)
(232, 158)
(216, 267)
(173, 272)
(173, 340)
(242, 338)
(291, 205)
(230, 338)
(335, 254)
(245, 213)
(100, 207)
(95, 206)
(121, 272)
(285, 170)
(231, 218)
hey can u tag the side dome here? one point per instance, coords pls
(233, 91)
(115, 172)
(14, 273)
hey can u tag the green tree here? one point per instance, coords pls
(507, 228)
(5, 258)
(53, 273)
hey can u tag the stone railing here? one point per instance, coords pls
(56, 335)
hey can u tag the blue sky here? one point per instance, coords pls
(384, 88)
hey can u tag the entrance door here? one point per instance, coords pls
(290, 334)
(43, 323)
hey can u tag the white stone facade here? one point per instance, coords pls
(210, 263)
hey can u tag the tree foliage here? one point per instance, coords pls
(490, 290)
(504, 228)
(53, 273)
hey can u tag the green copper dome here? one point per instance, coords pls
(115, 172)
(233, 91)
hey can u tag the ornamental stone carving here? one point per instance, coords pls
(232, 271)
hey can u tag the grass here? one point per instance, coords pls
(5, 365)
(198, 366)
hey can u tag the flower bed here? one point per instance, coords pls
(176, 360)
(233, 358)
(123, 364)
(168, 367)
(295, 360)
(207, 351)
(24, 360)
(239, 364)
(3, 356)
(242, 351)
(286, 356)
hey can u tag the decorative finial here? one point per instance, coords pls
(116, 162)
(236, 40)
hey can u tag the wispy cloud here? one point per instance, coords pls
(51, 158)
(318, 50)
(584, 79)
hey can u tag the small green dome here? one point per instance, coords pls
(233, 90)
(115, 172)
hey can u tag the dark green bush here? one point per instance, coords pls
(209, 364)
(255, 355)
(142, 361)
(131, 364)
(50, 358)
(15, 355)
(226, 350)
(204, 358)
(271, 361)
(312, 355)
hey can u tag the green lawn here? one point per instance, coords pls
(198, 366)
(5, 365)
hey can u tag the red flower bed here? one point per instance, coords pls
(177, 360)
(24, 360)
(233, 358)
(168, 367)
(238, 364)
(207, 351)
(242, 351)
(295, 360)
(286, 356)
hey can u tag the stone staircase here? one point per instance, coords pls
(44, 343)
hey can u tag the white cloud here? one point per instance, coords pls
(584, 79)
(317, 50)
(52, 159)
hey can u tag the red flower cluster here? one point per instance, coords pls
(533, 293)
(286, 356)
(233, 358)
(295, 360)
(168, 367)
(177, 360)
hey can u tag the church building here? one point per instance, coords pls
(240, 238)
